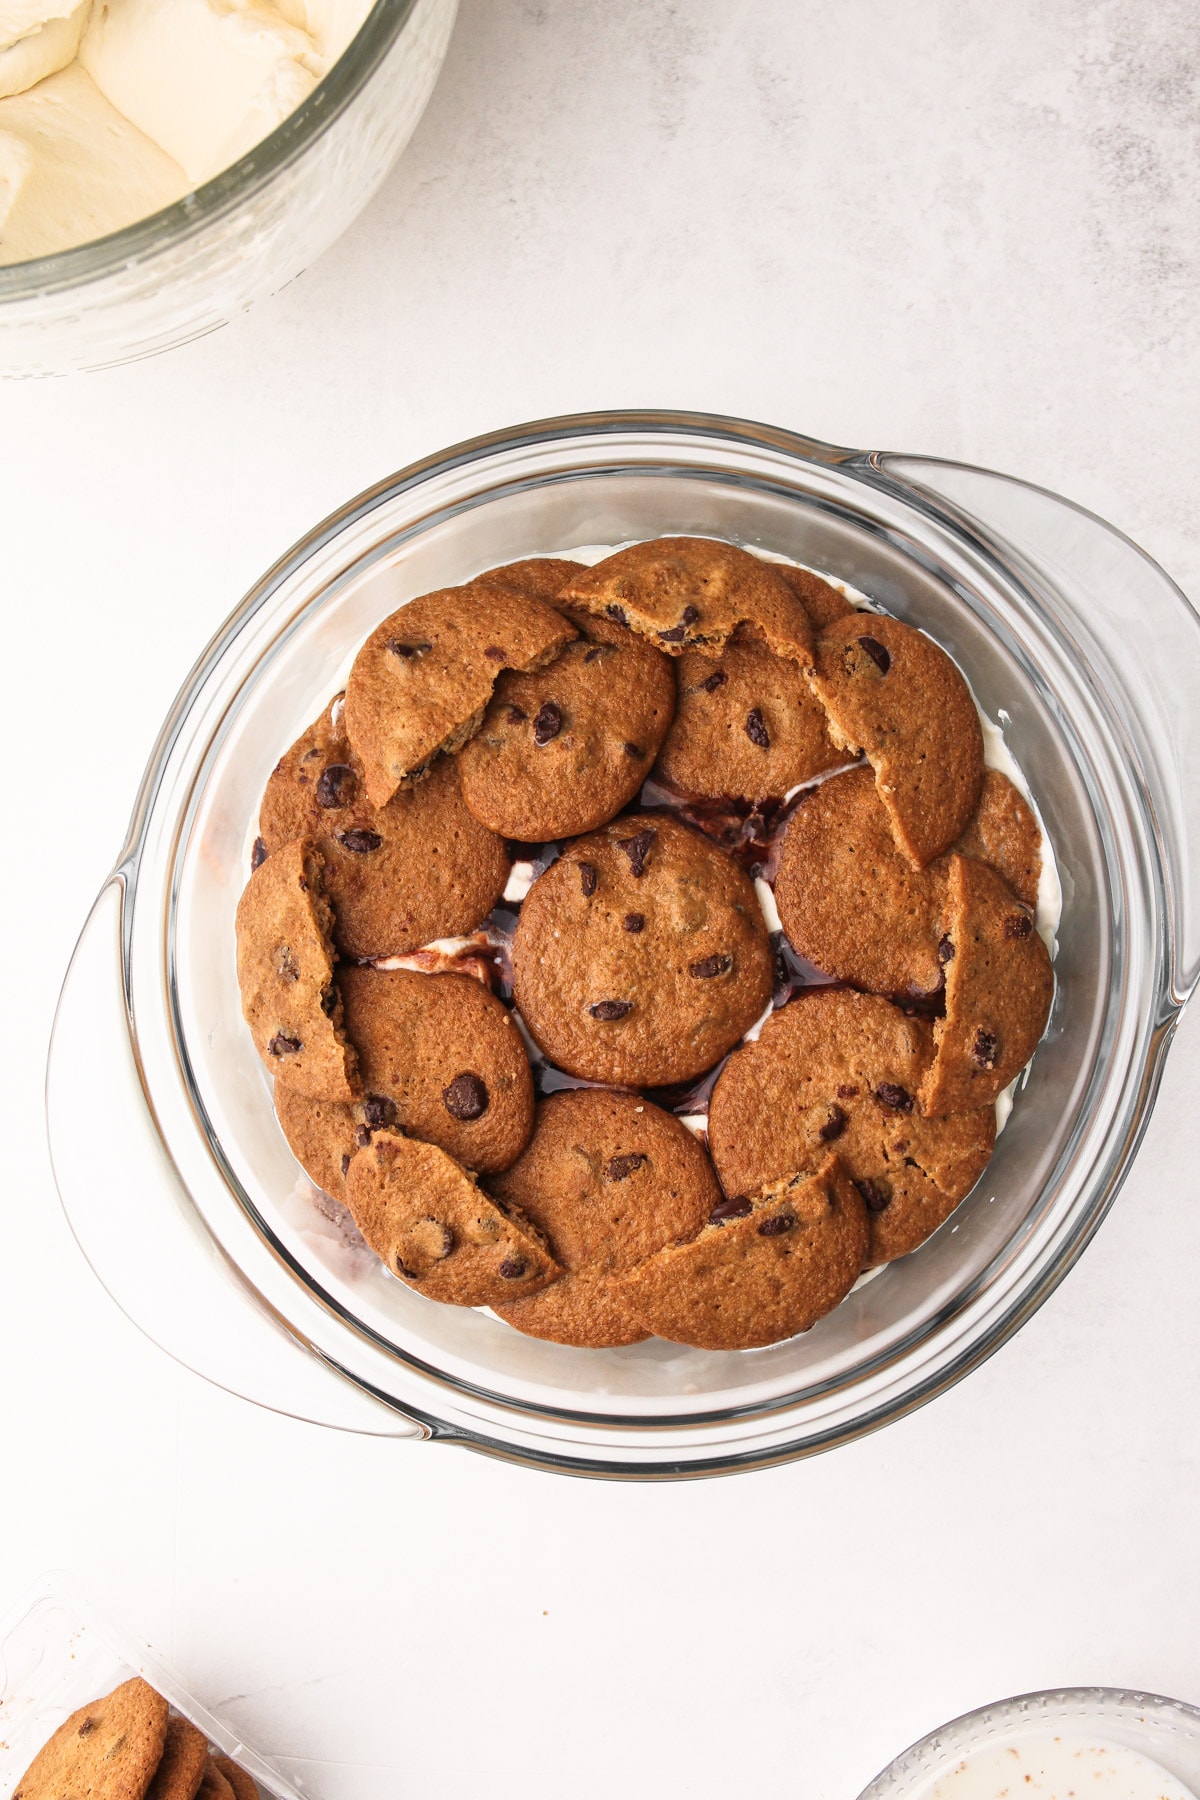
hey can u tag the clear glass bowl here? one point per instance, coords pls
(249, 231)
(1166, 1731)
(176, 1178)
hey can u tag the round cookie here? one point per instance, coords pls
(184, 1758)
(849, 902)
(1005, 833)
(420, 683)
(747, 726)
(439, 1058)
(542, 576)
(820, 599)
(399, 875)
(762, 1270)
(243, 1785)
(425, 1218)
(689, 592)
(564, 748)
(838, 1071)
(641, 956)
(894, 694)
(999, 989)
(285, 972)
(610, 1179)
(106, 1751)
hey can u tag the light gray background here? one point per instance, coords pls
(936, 225)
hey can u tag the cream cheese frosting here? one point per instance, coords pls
(113, 109)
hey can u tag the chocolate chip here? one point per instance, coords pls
(876, 1194)
(637, 849)
(983, 1050)
(945, 951)
(756, 729)
(595, 651)
(258, 855)
(847, 1092)
(362, 1136)
(634, 750)
(361, 842)
(834, 1125)
(633, 921)
(494, 653)
(378, 1111)
(889, 1093)
(587, 878)
(512, 1268)
(283, 1045)
(878, 653)
(286, 966)
(777, 1225)
(611, 1009)
(516, 715)
(548, 723)
(735, 1208)
(620, 1167)
(398, 648)
(403, 1269)
(337, 786)
(710, 966)
(432, 1238)
(88, 1725)
(675, 634)
(345, 1164)
(466, 1097)
(617, 614)
(1018, 925)
(716, 680)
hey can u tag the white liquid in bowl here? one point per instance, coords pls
(1056, 1768)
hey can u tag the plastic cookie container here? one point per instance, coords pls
(176, 1178)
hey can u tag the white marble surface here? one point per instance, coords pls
(940, 225)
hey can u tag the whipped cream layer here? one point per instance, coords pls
(1056, 1768)
(113, 109)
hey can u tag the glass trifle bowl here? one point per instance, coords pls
(193, 266)
(177, 1179)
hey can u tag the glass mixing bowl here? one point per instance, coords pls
(1165, 1731)
(193, 266)
(176, 1178)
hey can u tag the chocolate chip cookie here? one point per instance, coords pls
(439, 1058)
(999, 988)
(564, 748)
(422, 680)
(181, 1769)
(285, 971)
(106, 1751)
(641, 956)
(610, 1179)
(893, 694)
(747, 726)
(693, 593)
(424, 1216)
(399, 875)
(848, 900)
(542, 576)
(836, 1070)
(766, 1266)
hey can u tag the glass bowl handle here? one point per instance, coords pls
(135, 1223)
(1135, 628)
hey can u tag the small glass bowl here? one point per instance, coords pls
(177, 1179)
(1165, 1731)
(249, 231)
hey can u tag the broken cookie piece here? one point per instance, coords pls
(422, 681)
(999, 989)
(425, 1217)
(285, 971)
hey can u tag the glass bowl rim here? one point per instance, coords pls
(915, 1759)
(173, 225)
